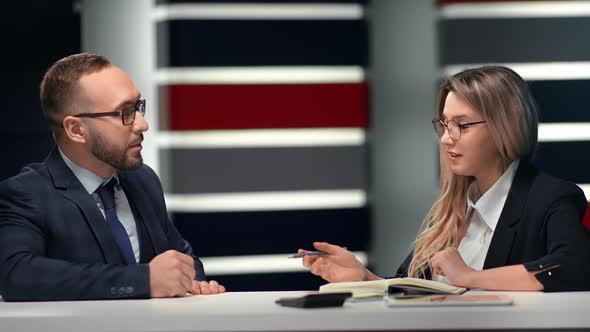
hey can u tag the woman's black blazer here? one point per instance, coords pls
(541, 227)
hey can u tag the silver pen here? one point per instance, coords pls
(308, 253)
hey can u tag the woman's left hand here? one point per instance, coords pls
(448, 263)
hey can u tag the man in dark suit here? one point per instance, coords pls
(90, 221)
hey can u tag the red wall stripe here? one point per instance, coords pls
(202, 107)
(586, 218)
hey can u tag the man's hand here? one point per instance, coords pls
(171, 274)
(207, 288)
(448, 263)
(337, 265)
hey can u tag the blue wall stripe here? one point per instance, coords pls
(273, 232)
(261, 43)
(562, 101)
(566, 160)
(514, 40)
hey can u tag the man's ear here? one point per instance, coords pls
(74, 129)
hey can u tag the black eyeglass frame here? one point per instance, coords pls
(461, 126)
(138, 107)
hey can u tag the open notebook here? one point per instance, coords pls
(361, 289)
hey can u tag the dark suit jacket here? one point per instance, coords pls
(56, 245)
(541, 227)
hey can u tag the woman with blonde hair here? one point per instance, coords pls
(498, 223)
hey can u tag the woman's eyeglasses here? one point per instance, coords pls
(452, 126)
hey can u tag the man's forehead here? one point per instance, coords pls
(110, 85)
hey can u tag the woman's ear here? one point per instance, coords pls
(75, 129)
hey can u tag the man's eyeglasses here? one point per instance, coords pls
(127, 115)
(452, 126)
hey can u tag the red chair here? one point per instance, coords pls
(586, 219)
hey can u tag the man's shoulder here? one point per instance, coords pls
(31, 176)
(28, 188)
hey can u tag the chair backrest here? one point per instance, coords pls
(586, 219)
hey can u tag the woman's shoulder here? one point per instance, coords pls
(546, 187)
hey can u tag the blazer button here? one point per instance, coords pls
(540, 266)
(121, 290)
(114, 290)
(130, 289)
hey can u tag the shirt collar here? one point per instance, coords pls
(89, 180)
(490, 205)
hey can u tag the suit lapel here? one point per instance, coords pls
(146, 211)
(502, 241)
(68, 185)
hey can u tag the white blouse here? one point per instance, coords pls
(483, 213)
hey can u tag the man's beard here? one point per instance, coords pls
(117, 159)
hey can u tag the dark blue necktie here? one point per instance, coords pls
(107, 195)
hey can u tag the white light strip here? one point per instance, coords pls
(586, 189)
(559, 132)
(539, 71)
(260, 75)
(267, 201)
(515, 9)
(259, 264)
(258, 11)
(261, 138)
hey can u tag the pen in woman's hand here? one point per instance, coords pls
(308, 253)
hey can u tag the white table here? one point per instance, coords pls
(257, 311)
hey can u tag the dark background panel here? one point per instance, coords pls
(34, 34)
(566, 160)
(272, 232)
(562, 101)
(261, 43)
(269, 281)
(494, 40)
(163, 2)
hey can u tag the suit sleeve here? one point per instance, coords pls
(28, 274)
(175, 240)
(566, 266)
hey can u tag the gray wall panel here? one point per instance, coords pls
(263, 169)
(403, 159)
(514, 40)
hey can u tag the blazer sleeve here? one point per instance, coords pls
(566, 266)
(175, 240)
(28, 274)
(402, 270)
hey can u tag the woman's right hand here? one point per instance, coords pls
(338, 264)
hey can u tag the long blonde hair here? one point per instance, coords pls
(504, 100)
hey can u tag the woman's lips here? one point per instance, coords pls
(454, 156)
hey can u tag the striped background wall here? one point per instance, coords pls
(547, 43)
(262, 133)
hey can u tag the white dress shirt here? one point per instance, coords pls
(483, 213)
(91, 182)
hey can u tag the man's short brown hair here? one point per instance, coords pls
(60, 82)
